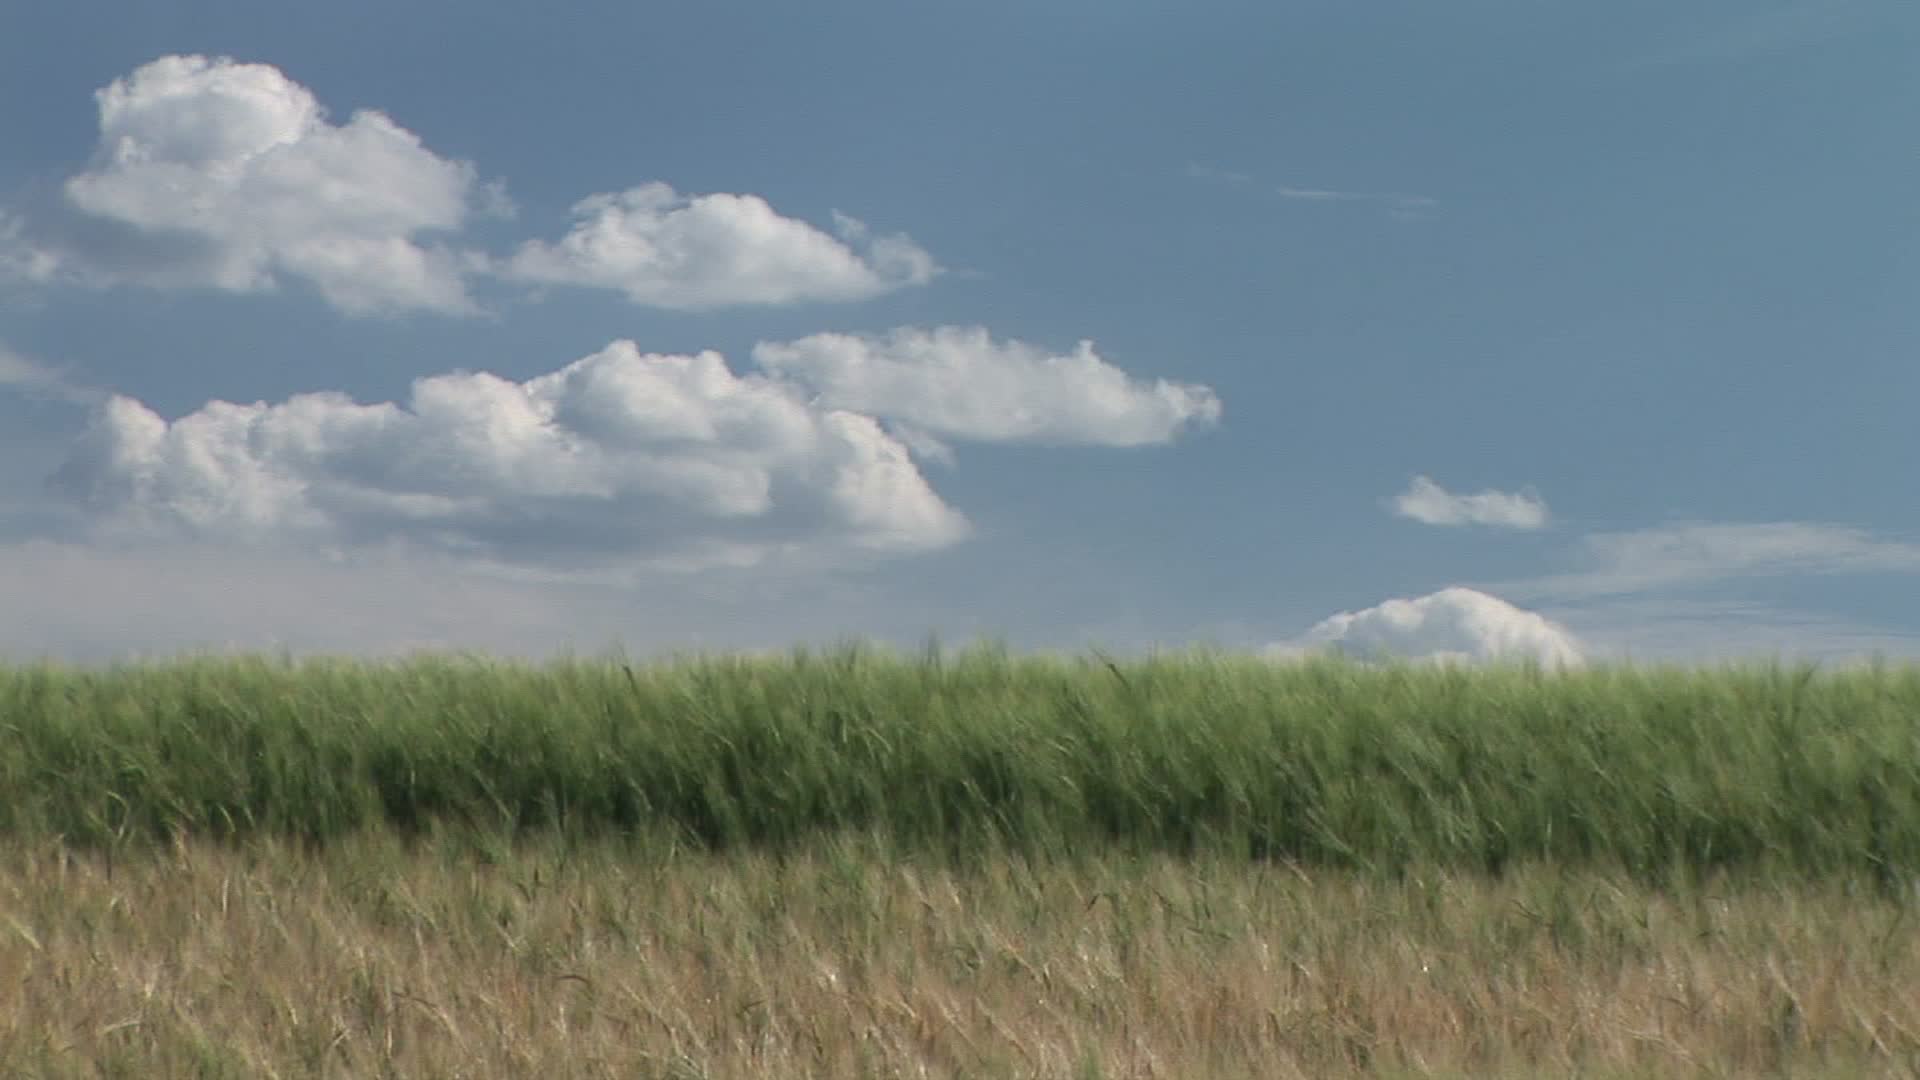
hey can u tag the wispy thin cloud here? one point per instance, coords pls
(1759, 34)
(92, 603)
(1217, 175)
(25, 375)
(1400, 204)
(1699, 553)
(1394, 200)
(1672, 593)
(1668, 629)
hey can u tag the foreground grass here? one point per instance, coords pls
(381, 957)
(1651, 771)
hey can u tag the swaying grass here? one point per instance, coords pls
(1322, 763)
(860, 864)
(377, 958)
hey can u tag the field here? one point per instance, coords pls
(854, 863)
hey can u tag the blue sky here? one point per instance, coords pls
(1571, 330)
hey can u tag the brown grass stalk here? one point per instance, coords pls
(372, 958)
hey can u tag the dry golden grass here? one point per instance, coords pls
(370, 958)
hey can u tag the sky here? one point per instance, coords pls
(1577, 333)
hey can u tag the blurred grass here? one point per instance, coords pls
(1654, 771)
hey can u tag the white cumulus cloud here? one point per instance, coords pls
(959, 382)
(1428, 502)
(694, 252)
(217, 174)
(1455, 624)
(619, 460)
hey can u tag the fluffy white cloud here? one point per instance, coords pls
(1428, 502)
(957, 381)
(619, 460)
(1455, 624)
(1698, 553)
(213, 173)
(668, 250)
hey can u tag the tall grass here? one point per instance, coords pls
(376, 958)
(1650, 770)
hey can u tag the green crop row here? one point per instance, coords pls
(1321, 762)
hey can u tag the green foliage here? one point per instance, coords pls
(1654, 770)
